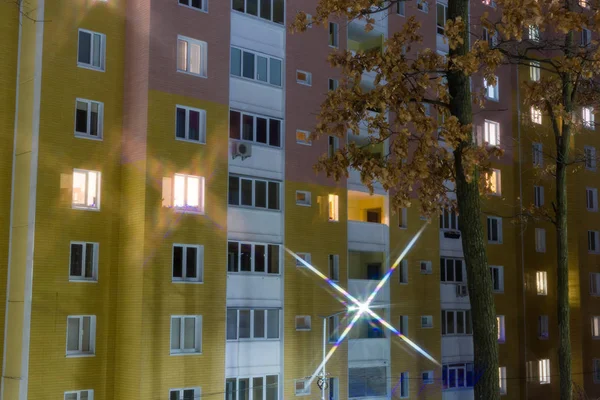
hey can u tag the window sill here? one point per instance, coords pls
(304, 205)
(495, 100)
(187, 211)
(195, 353)
(263, 274)
(333, 220)
(304, 144)
(303, 330)
(92, 68)
(192, 74)
(75, 280)
(76, 207)
(83, 355)
(88, 137)
(189, 140)
(254, 340)
(188, 282)
(303, 83)
(403, 283)
(254, 208)
(256, 81)
(403, 227)
(498, 291)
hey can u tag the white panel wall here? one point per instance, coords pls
(253, 357)
(457, 349)
(252, 290)
(368, 352)
(450, 247)
(265, 162)
(253, 224)
(367, 236)
(259, 98)
(265, 37)
(450, 300)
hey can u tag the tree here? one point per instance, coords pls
(559, 40)
(407, 85)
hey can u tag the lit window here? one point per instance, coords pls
(334, 267)
(596, 327)
(188, 263)
(86, 189)
(253, 324)
(189, 193)
(452, 270)
(333, 34)
(538, 155)
(591, 195)
(494, 230)
(541, 279)
(426, 321)
(590, 157)
(333, 84)
(422, 5)
(502, 376)
(332, 146)
(81, 335)
(303, 323)
(403, 275)
(256, 193)
(334, 207)
(494, 182)
(191, 56)
(540, 240)
(201, 5)
(427, 377)
(88, 118)
(258, 258)
(534, 33)
(593, 242)
(83, 261)
(191, 124)
(271, 10)
(595, 284)
(587, 115)
(404, 385)
(536, 115)
(543, 330)
(491, 91)
(501, 328)
(544, 371)
(245, 386)
(456, 322)
(586, 37)
(303, 137)
(442, 12)
(401, 8)
(186, 334)
(80, 395)
(91, 50)
(254, 128)
(302, 388)
(303, 198)
(534, 71)
(255, 66)
(497, 273)
(492, 133)
(304, 78)
(538, 196)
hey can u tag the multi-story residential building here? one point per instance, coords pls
(156, 163)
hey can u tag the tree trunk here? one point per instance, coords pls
(483, 310)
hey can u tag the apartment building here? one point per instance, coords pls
(157, 163)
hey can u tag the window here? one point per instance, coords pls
(530, 371)
(191, 56)
(586, 37)
(596, 369)
(449, 220)
(502, 376)
(403, 275)
(303, 323)
(188, 193)
(83, 264)
(254, 128)
(333, 84)
(188, 263)
(255, 388)
(86, 189)
(595, 284)
(540, 240)
(495, 182)
(536, 115)
(301, 387)
(591, 195)
(80, 395)
(584, 3)
(442, 12)
(334, 267)
(425, 267)
(457, 376)
(596, 327)
(491, 91)
(587, 116)
(538, 196)
(334, 207)
(333, 34)
(544, 371)
(303, 77)
(255, 66)
(491, 39)
(303, 198)
(456, 322)
(367, 382)
(404, 385)
(81, 335)
(401, 8)
(492, 133)
(190, 124)
(303, 256)
(403, 325)
(201, 5)
(259, 258)
(426, 321)
(451, 270)
(403, 218)
(541, 279)
(590, 157)
(422, 5)
(538, 155)
(303, 137)
(494, 230)
(186, 334)
(543, 332)
(500, 322)
(334, 389)
(333, 327)
(593, 242)
(257, 193)
(91, 50)
(534, 71)
(185, 394)
(252, 324)
(88, 118)
(427, 377)
(271, 10)
(534, 33)
(497, 273)
(332, 145)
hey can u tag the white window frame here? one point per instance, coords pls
(403, 273)
(203, 56)
(534, 71)
(544, 371)
(258, 12)
(501, 322)
(403, 218)
(307, 202)
(199, 263)
(199, 209)
(252, 317)
(591, 196)
(334, 267)
(401, 9)
(404, 391)
(334, 36)
(307, 326)
(495, 182)
(538, 154)
(253, 206)
(250, 379)
(333, 389)
(333, 208)
(203, 9)
(305, 256)
(590, 157)
(454, 264)
(253, 258)
(449, 220)
(594, 284)
(441, 29)
(92, 338)
(84, 206)
(202, 122)
(255, 77)
(503, 380)
(543, 327)
(427, 377)
(403, 325)
(453, 314)
(500, 283)
(333, 144)
(425, 267)
(423, 6)
(255, 118)
(83, 278)
(492, 91)
(540, 240)
(491, 138)
(99, 128)
(587, 118)
(197, 392)
(428, 319)
(593, 239)
(102, 66)
(538, 196)
(197, 333)
(305, 82)
(490, 232)
(305, 391)
(303, 137)
(78, 393)
(595, 327)
(541, 283)
(536, 115)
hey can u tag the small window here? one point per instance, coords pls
(541, 279)
(538, 155)
(491, 91)
(334, 35)
(501, 328)
(543, 332)
(403, 325)
(495, 182)
(590, 157)
(303, 256)
(334, 267)
(403, 218)
(534, 33)
(403, 275)
(333, 84)
(303, 137)
(587, 116)
(497, 273)
(544, 371)
(81, 335)
(188, 193)
(540, 240)
(502, 376)
(426, 321)
(91, 50)
(185, 394)
(442, 12)
(596, 371)
(427, 377)
(404, 385)
(304, 78)
(596, 327)
(593, 242)
(303, 198)
(301, 387)
(201, 5)
(186, 334)
(422, 5)
(334, 214)
(83, 262)
(492, 133)
(536, 115)
(494, 230)
(491, 39)
(425, 267)
(586, 37)
(192, 56)
(308, 20)
(190, 124)
(303, 323)
(534, 71)
(86, 189)
(595, 284)
(188, 263)
(332, 146)
(88, 119)
(538, 196)
(401, 8)
(591, 195)
(80, 395)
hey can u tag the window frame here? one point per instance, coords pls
(90, 393)
(403, 273)
(203, 9)
(305, 391)
(99, 128)
(201, 208)
(197, 335)
(490, 225)
(596, 237)
(595, 325)
(500, 274)
(197, 392)
(252, 319)
(594, 198)
(307, 202)
(80, 64)
(307, 141)
(537, 154)
(596, 370)
(423, 6)
(541, 283)
(255, 118)
(255, 55)
(448, 219)
(540, 240)
(404, 391)
(466, 323)
(96, 255)
(203, 56)
(594, 284)
(79, 206)
(487, 124)
(544, 371)
(447, 263)
(503, 380)
(441, 30)
(334, 36)
(591, 165)
(588, 118)
(538, 196)
(401, 9)
(536, 115)
(92, 339)
(334, 267)
(307, 318)
(202, 123)
(250, 379)
(428, 325)
(199, 263)
(305, 82)
(543, 327)
(501, 322)
(253, 257)
(494, 90)
(495, 182)
(535, 71)
(333, 207)
(258, 12)
(253, 206)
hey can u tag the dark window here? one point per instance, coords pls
(180, 133)
(246, 257)
(275, 72)
(81, 117)
(236, 60)
(260, 194)
(76, 259)
(259, 258)
(234, 190)
(278, 11)
(273, 259)
(252, 7)
(194, 131)
(233, 252)
(275, 132)
(238, 5)
(85, 45)
(246, 192)
(234, 124)
(261, 130)
(273, 195)
(191, 262)
(177, 262)
(261, 68)
(248, 60)
(265, 9)
(248, 127)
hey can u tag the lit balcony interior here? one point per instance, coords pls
(364, 207)
(365, 265)
(368, 328)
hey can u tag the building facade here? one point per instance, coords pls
(157, 164)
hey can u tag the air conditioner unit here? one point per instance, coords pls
(461, 291)
(241, 149)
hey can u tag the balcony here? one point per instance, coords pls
(456, 294)
(241, 357)
(365, 270)
(457, 348)
(247, 289)
(367, 222)
(264, 161)
(371, 351)
(261, 225)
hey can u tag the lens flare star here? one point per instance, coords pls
(363, 308)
